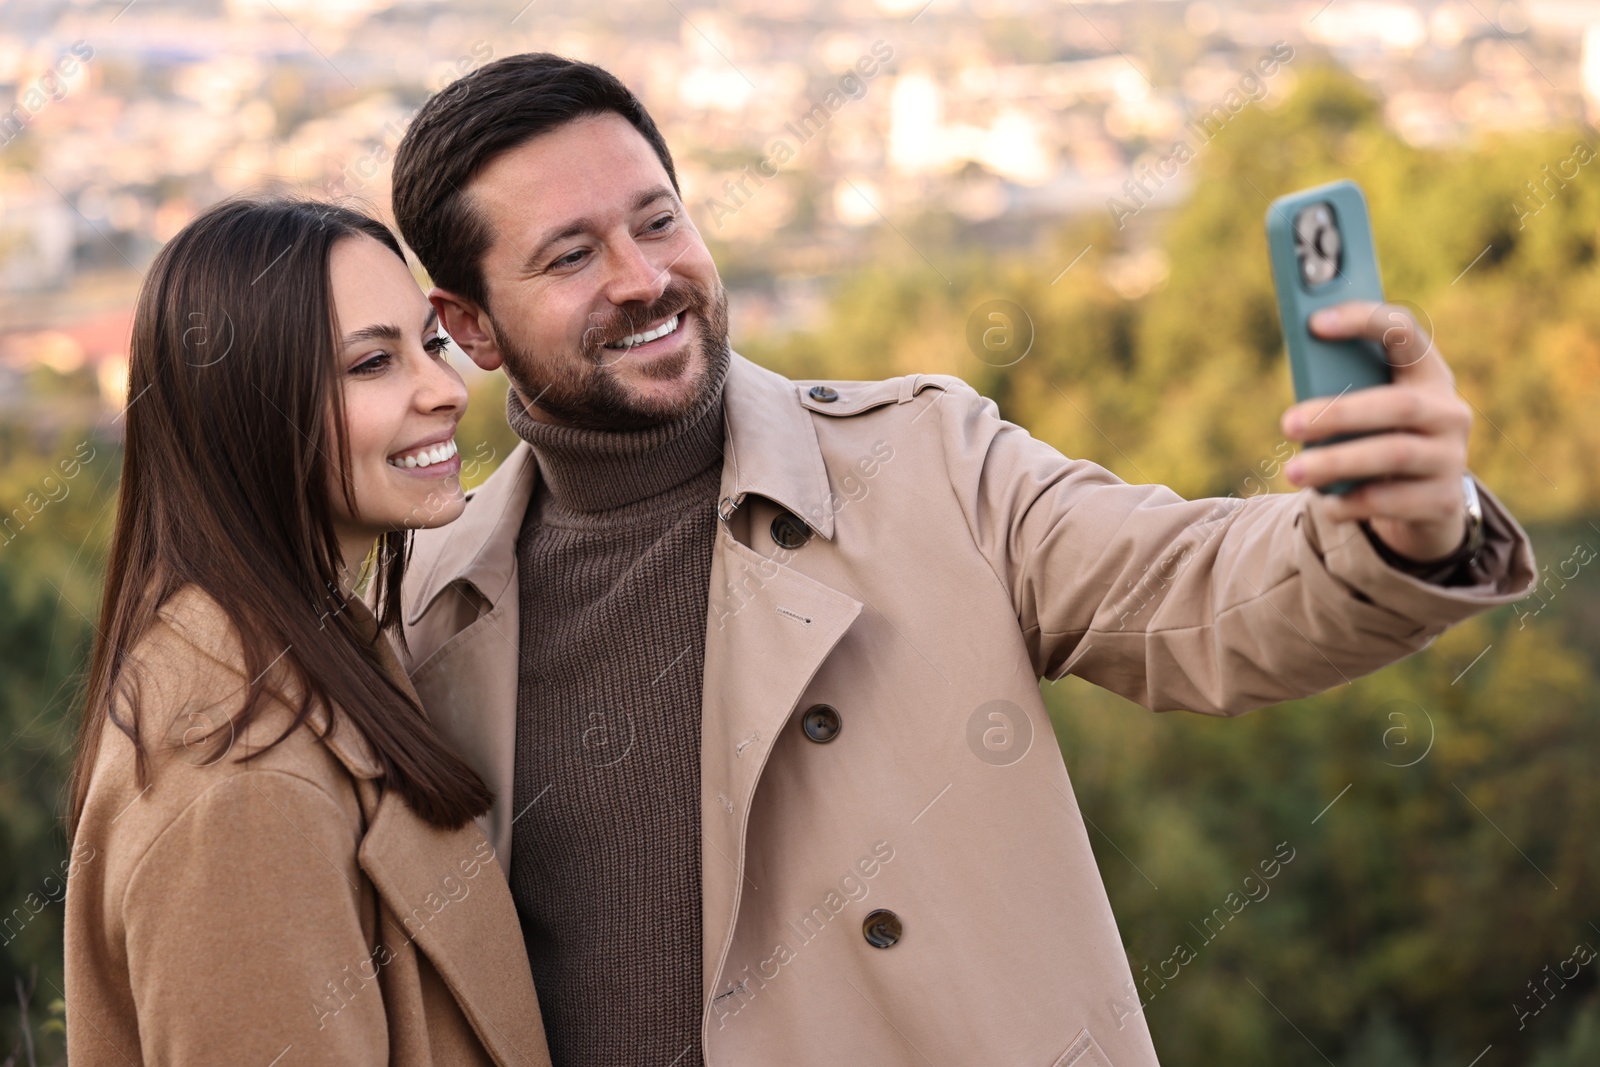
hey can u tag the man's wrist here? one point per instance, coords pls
(1449, 569)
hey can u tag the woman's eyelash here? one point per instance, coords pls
(367, 366)
(433, 346)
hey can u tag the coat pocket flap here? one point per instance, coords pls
(1084, 1051)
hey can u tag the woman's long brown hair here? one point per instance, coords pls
(233, 414)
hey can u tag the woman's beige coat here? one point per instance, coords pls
(285, 911)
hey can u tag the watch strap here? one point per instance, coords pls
(1452, 569)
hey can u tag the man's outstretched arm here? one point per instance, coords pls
(1223, 605)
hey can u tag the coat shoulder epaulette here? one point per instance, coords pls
(853, 398)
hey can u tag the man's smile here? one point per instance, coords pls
(661, 329)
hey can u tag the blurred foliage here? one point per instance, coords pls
(484, 437)
(58, 495)
(1458, 864)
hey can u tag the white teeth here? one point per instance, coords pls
(427, 457)
(649, 335)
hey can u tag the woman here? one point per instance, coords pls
(274, 857)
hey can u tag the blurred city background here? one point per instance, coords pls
(868, 175)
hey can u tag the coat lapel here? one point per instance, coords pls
(463, 620)
(442, 890)
(761, 653)
(470, 691)
(768, 629)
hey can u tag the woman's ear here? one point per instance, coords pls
(468, 326)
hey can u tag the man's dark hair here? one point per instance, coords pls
(466, 125)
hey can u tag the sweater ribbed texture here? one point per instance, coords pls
(614, 565)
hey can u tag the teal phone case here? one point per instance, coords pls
(1326, 368)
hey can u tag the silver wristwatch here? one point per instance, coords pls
(1474, 541)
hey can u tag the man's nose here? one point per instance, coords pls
(633, 277)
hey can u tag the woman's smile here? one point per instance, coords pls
(434, 457)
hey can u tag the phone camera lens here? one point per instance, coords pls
(1317, 245)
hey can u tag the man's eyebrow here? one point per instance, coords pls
(386, 331)
(586, 224)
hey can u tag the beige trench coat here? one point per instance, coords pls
(282, 911)
(955, 560)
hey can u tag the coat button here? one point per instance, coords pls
(824, 394)
(821, 723)
(881, 928)
(789, 532)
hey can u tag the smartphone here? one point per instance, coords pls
(1320, 241)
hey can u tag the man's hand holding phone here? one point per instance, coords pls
(1415, 452)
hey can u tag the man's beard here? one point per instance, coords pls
(586, 394)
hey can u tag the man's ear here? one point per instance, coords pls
(468, 326)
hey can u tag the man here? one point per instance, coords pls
(752, 665)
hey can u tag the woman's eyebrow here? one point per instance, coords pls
(376, 332)
(386, 331)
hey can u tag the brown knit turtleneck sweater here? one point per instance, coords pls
(614, 564)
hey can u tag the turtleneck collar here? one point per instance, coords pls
(599, 470)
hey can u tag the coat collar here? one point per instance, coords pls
(480, 547)
(770, 450)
